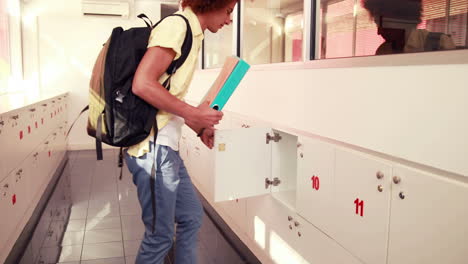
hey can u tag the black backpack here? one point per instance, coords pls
(117, 116)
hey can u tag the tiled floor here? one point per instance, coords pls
(105, 225)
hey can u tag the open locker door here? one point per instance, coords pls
(242, 163)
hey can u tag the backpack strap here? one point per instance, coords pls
(147, 21)
(185, 49)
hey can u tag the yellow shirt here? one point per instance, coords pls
(170, 33)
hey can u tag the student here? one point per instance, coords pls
(397, 21)
(170, 197)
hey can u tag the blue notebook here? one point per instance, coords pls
(230, 85)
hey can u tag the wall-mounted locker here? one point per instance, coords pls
(14, 138)
(315, 182)
(7, 223)
(428, 220)
(3, 164)
(362, 204)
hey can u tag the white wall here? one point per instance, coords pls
(62, 47)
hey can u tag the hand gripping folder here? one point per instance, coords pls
(233, 71)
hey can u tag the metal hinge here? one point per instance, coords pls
(274, 182)
(276, 137)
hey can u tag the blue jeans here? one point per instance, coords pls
(175, 201)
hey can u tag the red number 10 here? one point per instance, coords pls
(359, 205)
(315, 182)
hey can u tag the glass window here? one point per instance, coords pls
(376, 27)
(272, 31)
(4, 47)
(218, 46)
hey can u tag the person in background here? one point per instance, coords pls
(397, 21)
(169, 197)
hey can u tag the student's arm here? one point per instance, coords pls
(146, 85)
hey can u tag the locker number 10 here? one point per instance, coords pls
(315, 182)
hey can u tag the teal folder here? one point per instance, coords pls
(230, 85)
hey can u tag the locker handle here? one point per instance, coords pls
(35, 154)
(44, 105)
(54, 134)
(53, 101)
(32, 109)
(15, 117)
(296, 223)
(47, 142)
(2, 123)
(379, 175)
(19, 172)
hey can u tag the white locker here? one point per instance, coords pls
(429, 219)
(315, 179)
(7, 223)
(271, 225)
(317, 247)
(3, 154)
(362, 205)
(248, 163)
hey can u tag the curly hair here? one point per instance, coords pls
(204, 6)
(403, 9)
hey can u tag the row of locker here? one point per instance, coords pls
(22, 129)
(31, 164)
(23, 187)
(378, 210)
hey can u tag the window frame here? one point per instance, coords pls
(312, 36)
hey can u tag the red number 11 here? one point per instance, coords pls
(361, 205)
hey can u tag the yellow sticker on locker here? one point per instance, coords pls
(222, 147)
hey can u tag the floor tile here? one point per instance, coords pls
(76, 225)
(102, 250)
(132, 221)
(131, 247)
(106, 261)
(130, 208)
(132, 259)
(133, 234)
(103, 223)
(103, 236)
(73, 238)
(70, 253)
(106, 210)
(78, 213)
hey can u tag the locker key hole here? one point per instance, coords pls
(402, 195)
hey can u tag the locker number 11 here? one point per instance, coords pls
(359, 207)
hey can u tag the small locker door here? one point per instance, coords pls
(315, 172)
(20, 196)
(429, 219)
(242, 163)
(7, 223)
(362, 205)
(3, 172)
(13, 140)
